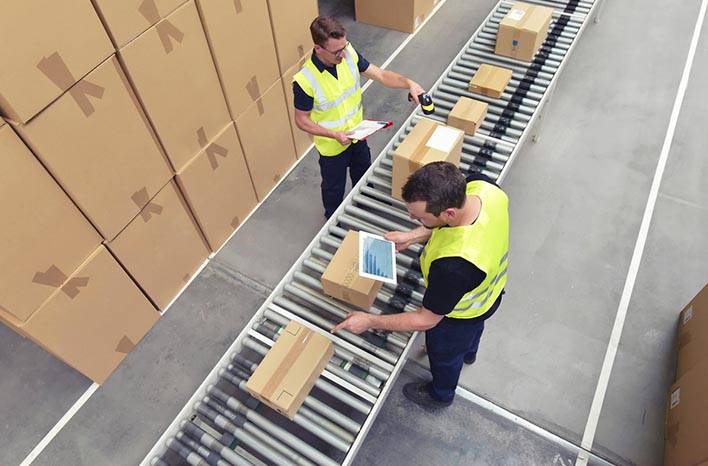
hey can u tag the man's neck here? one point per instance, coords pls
(469, 212)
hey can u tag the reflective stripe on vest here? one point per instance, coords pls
(485, 243)
(337, 102)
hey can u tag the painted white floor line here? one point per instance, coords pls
(601, 389)
(59, 425)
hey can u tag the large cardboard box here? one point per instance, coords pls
(490, 80)
(162, 247)
(266, 139)
(290, 368)
(523, 30)
(241, 42)
(173, 74)
(290, 20)
(303, 141)
(401, 15)
(429, 141)
(100, 148)
(218, 188)
(341, 278)
(693, 333)
(687, 419)
(467, 115)
(45, 47)
(44, 237)
(95, 319)
(126, 19)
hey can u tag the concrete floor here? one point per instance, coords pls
(578, 198)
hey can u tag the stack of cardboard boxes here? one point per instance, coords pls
(687, 405)
(136, 136)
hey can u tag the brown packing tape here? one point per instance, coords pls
(71, 288)
(55, 278)
(420, 151)
(125, 345)
(186, 277)
(147, 207)
(238, 6)
(149, 11)
(235, 222)
(301, 338)
(212, 150)
(168, 31)
(254, 91)
(56, 70)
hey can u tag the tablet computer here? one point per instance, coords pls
(377, 257)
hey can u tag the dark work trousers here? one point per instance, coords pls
(447, 344)
(356, 157)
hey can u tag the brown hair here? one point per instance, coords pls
(324, 28)
(441, 185)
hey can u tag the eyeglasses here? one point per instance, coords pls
(336, 53)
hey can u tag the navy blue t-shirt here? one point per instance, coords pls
(450, 278)
(305, 102)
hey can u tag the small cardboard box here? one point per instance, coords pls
(94, 319)
(467, 115)
(686, 419)
(173, 74)
(341, 278)
(44, 237)
(240, 33)
(162, 248)
(490, 80)
(693, 333)
(429, 141)
(126, 19)
(45, 47)
(290, 21)
(303, 140)
(401, 15)
(290, 369)
(218, 188)
(264, 131)
(522, 31)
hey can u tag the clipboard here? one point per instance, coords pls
(368, 127)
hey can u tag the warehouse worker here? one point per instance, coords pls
(466, 225)
(328, 104)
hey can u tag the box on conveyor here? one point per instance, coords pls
(522, 31)
(490, 80)
(467, 115)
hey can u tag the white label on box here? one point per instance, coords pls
(516, 15)
(443, 138)
(675, 398)
(688, 314)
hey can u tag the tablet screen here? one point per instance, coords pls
(377, 257)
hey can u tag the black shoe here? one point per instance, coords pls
(419, 393)
(470, 358)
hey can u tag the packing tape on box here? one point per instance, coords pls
(165, 29)
(147, 207)
(301, 338)
(55, 278)
(125, 345)
(254, 91)
(235, 222)
(212, 150)
(414, 162)
(56, 70)
(238, 6)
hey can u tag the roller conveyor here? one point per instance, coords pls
(221, 424)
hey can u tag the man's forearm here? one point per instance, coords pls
(403, 322)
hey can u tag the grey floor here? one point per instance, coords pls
(578, 197)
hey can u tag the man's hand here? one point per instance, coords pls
(343, 137)
(403, 239)
(415, 90)
(356, 322)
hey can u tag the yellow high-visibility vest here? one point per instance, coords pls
(485, 243)
(337, 102)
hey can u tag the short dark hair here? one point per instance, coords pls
(324, 28)
(440, 184)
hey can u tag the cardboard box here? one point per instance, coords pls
(693, 333)
(522, 31)
(171, 69)
(45, 48)
(44, 238)
(239, 33)
(467, 115)
(341, 278)
(303, 141)
(687, 419)
(127, 19)
(490, 80)
(429, 141)
(266, 139)
(95, 319)
(162, 247)
(401, 15)
(100, 148)
(286, 375)
(218, 188)
(290, 20)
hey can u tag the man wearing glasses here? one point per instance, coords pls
(328, 104)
